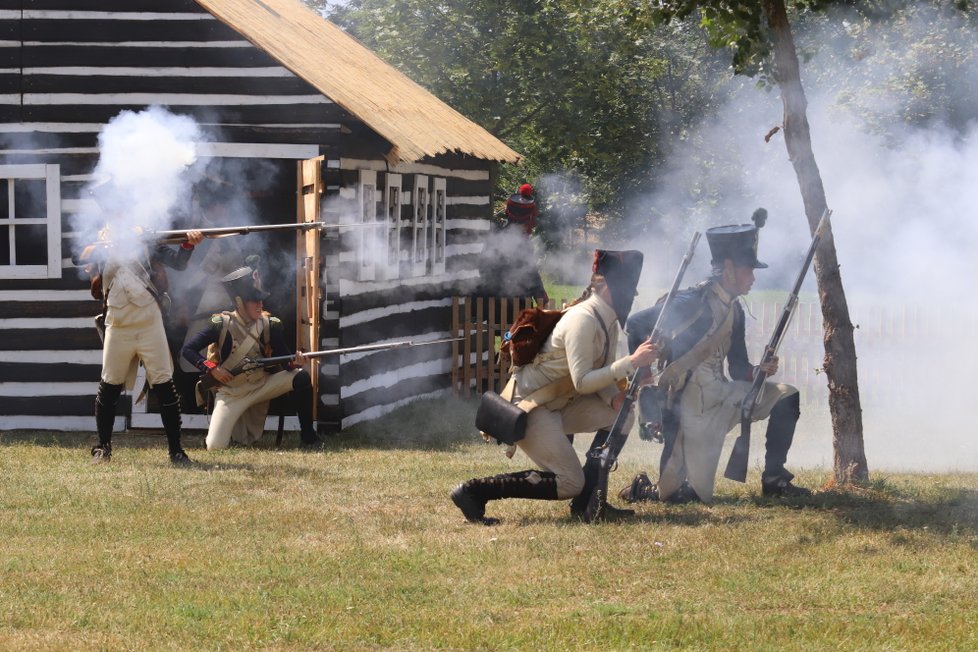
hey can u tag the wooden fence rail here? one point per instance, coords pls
(888, 343)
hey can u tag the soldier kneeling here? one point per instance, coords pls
(241, 401)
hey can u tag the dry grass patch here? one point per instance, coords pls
(359, 548)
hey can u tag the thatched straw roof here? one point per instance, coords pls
(413, 120)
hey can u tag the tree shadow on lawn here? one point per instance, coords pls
(939, 509)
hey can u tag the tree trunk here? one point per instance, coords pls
(840, 349)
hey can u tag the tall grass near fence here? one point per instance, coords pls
(359, 548)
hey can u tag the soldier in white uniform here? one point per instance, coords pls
(585, 352)
(241, 401)
(134, 293)
(707, 332)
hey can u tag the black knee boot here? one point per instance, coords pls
(169, 400)
(776, 480)
(471, 496)
(302, 391)
(105, 402)
(592, 465)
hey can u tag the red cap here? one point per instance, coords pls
(526, 190)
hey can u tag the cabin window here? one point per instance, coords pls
(419, 223)
(436, 249)
(372, 236)
(392, 215)
(30, 221)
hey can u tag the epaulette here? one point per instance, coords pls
(217, 320)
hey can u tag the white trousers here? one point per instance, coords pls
(132, 334)
(246, 403)
(546, 441)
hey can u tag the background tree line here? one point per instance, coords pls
(597, 94)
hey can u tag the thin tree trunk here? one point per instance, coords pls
(840, 349)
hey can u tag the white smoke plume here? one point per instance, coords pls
(903, 200)
(143, 178)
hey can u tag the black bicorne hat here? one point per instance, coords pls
(621, 270)
(243, 283)
(738, 242)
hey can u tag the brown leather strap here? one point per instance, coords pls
(674, 375)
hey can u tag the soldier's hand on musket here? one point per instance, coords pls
(194, 237)
(770, 367)
(299, 359)
(645, 355)
(618, 399)
(221, 375)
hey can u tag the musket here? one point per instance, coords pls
(608, 454)
(737, 464)
(179, 236)
(207, 381)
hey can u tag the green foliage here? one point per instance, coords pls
(596, 90)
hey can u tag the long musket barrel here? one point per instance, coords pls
(737, 464)
(208, 382)
(178, 236)
(618, 435)
(353, 349)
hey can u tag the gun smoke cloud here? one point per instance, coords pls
(144, 175)
(902, 194)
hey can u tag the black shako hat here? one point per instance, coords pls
(621, 271)
(738, 242)
(243, 284)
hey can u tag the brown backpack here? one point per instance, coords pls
(524, 339)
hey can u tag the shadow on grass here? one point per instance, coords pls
(933, 507)
(431, 424)
(194, 444)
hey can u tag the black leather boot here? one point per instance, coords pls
(169, 400)
(105, 402)
(776, 479)
(302, 391)
(471, 496)
(592, 465)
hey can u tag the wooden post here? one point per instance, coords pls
(467, 349)
(480, 333)
(456, 332)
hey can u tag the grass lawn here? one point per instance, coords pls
(359, 548)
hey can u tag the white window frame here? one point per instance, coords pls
(368, 253)
(419, 226)
(52, 176)
(393, 197)
(439, 218)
